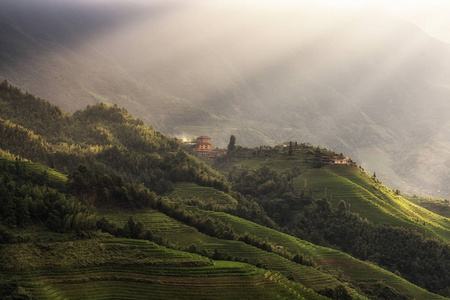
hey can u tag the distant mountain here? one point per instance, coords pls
(362, 83)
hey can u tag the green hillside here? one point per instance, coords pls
(135, 269)
(341, 206)
(40, 259)
(332, 267)
(363, 193)
(98, 203)
(356, 272)
(438, 206)
(48, 265)
(369, 198)
(191, 239)
(106, 138)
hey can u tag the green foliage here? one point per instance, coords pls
(316, 221)
(337, 293)
(371, 199)
(102, 190)
(232, 143)
(26, 199)
(10, 289)
(420, 260)
(438, 206)
(382, 291)
(129, 164)
(107, 138)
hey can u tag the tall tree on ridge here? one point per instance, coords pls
(232, 143)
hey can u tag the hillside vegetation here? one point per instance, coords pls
(105, 137)
(59, 263)
(52, 247)
(438, 206)
(98, 202)
(343, 207)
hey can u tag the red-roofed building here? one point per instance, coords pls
(203, 144)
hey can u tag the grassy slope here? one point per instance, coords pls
(192, 191)
(375, 199)
(54, 176)
(438, 206)
(108, 266)
(371, 200)
(277, 160)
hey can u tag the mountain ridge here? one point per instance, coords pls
(204, 82)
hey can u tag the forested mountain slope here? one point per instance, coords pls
(106, 138)
(55, 242)
(54, 245)
(116, 195)
(341, 206)
(278, 172)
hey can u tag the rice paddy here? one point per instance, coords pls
(371, 200)
(135, 269)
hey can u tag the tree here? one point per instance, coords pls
(342, 207)
(232, 143)
(4, 85)
(291, 149)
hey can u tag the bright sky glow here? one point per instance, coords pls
(433, 16)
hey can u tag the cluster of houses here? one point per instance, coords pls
(334, 159)
(202, 147)
(324, 159)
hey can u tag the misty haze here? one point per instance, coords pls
(360, 82)
(270, 111)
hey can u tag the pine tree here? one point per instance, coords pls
(4, 85)
(232, 143)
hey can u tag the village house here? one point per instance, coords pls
(203, 144)
(203, 147)
(334, 159)
(343, 161)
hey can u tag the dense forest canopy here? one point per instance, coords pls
(106, 138)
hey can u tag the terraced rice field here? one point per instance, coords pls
(332, 260)
(322, 182)
(137, 269)
(372, 201)
(185, 236)
(248, 287)
(280, 161)
(188, 191)
(438, 206)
